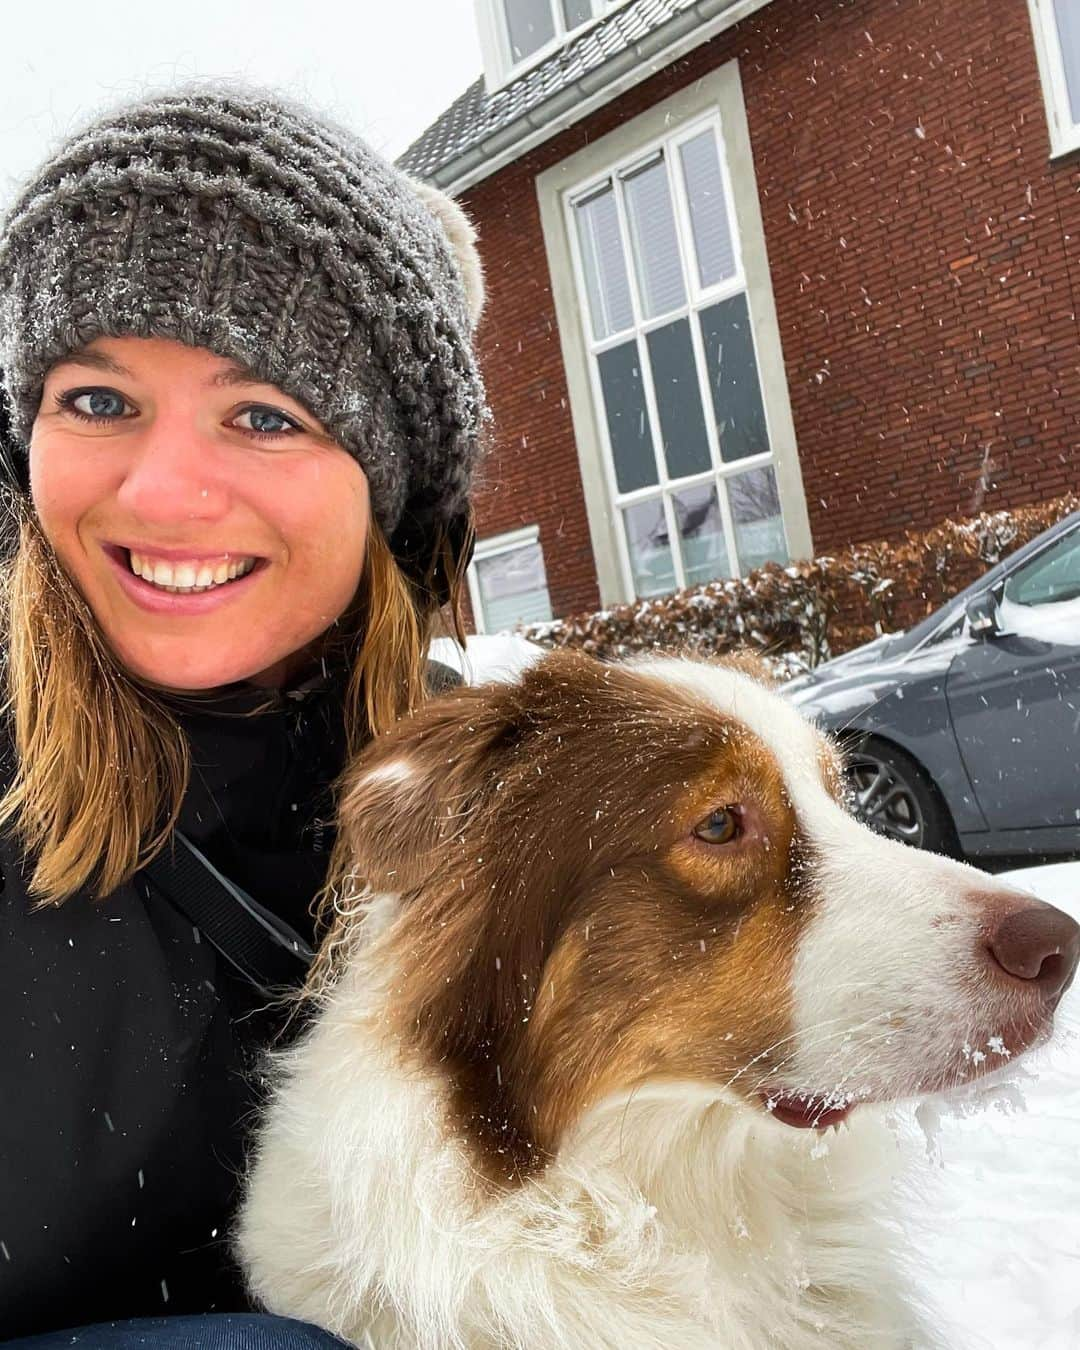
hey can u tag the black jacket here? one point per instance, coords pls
(128, 1046)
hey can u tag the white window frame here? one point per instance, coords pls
(717, 90)
(697, 299)
(1064, 132)
(499, 61)
(492, 548)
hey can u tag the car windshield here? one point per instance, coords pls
(1051, 578)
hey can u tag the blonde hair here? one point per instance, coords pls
(101, 764)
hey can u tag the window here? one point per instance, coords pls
(1057, 42)
(1052, 577)
(532, 28)
(508, 583)
(674, 366)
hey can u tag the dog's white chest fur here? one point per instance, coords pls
(677, 1218)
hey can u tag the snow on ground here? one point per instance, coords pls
(499, 656)
(1002, 1222)
(995, 1225)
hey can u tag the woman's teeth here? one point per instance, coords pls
(184, 578)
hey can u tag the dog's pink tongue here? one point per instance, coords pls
(804, 1113)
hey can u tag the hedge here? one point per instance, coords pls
(800, 614)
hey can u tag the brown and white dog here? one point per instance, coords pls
(624, 947)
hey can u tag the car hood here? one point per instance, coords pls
(870, 676)
(849, 664)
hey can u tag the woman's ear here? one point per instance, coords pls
(414, 791)
(461, 235)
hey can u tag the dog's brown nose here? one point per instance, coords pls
(1036, 942)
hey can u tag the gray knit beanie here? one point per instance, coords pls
(235, 221)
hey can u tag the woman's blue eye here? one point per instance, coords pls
(98, 403)
(266, 421)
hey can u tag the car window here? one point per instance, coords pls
(1051, 578)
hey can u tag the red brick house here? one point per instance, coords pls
(765, 278)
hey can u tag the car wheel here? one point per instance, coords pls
(894, 797)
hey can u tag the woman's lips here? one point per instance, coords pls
(154, 600)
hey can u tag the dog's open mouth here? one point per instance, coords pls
(808, 1113)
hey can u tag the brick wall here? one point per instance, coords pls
(924, 256)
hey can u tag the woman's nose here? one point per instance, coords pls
(173, 476)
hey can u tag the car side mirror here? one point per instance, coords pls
(982, 615)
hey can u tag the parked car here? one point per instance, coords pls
(963, 734)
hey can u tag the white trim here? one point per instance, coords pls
(494, 547)
(488, 30)
(1064, 132)
(714, 100)
(665, 150)
(581, 104)
(505, 543)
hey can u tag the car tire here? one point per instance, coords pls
(895, 797)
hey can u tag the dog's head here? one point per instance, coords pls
(617, 875)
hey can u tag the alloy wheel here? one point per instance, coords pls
(884, 800)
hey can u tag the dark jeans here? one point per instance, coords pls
(224, 1331)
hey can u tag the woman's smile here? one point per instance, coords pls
(188, 586)
(184, 569)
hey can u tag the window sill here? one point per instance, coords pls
(1062, 146)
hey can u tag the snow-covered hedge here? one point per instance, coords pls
(805, 612)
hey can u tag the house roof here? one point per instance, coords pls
(478, 125)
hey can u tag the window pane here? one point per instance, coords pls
(759, 526)
(701, 532)
(733, 379)
(627, 417)
(656, 245)
(708, 209)
(576, 12)
(529, 24)
(678, 399)
(605, 266)
(513, 588)
(650, 548)
(1049, 579)
(1068, 23)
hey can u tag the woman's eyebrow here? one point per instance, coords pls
(95, 360)
(233, 374)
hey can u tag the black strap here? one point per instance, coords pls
(261, 946)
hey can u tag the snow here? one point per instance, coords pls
(998, 1233)
(500, 656)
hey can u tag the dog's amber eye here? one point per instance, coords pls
(718, 827)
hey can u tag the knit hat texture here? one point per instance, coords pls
(235, 221)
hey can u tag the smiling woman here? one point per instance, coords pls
(244, 415)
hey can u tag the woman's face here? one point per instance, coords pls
(211, 524)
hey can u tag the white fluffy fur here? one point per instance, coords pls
(677, 1218)
(461, 234)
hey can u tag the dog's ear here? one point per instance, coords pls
(412, 792)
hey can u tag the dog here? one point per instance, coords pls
(605, 1063)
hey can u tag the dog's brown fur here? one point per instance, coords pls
(564, 882)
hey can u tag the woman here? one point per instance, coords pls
(244, 415)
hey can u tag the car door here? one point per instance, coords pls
(1014, 696)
